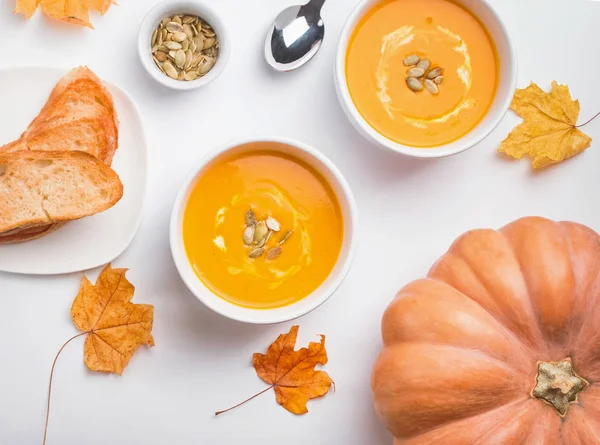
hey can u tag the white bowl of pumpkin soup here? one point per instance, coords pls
(263, 231)
(425, 78)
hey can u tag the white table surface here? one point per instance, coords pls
(410, 212)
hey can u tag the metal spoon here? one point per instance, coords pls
(296, 36)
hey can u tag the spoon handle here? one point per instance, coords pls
(316, 4)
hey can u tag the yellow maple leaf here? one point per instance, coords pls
(115, 326)
(548, 133)
(291, 374)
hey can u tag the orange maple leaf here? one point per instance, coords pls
(70, 11)
(115, 326)
(291, 373)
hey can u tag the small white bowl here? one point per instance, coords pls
(267, 316)
(506, 83)
(167, 9)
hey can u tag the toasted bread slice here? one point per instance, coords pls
(39, 187)
(78, 115)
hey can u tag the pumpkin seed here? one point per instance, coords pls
(424, 64)
(187, 29)
(193, 47)
(181, 75)
(180, 59)
(414, 84)
(273, 224)
(188, 60)
(273, 253)
(196, 59)
(209, 42)
(250, 218)
(157, 62)
(191, 75)
(164, 33)
(154, 49)
(165, 21)
(185, 45)
(174, 26)
(154, 37)
(207, 65)
(255, 253)
(188, 19)
(170, 70)
(260, 232)
(435, 73)
(159, 40)
(173, 45)
(249, 235)
(415, 72)
(172, 54)
(431, 86)
(412, 60)
(438, 80)
(160, 56)
(199, 42)
(194, 29)
(285, 237)
(176, 19)
(207, 31)
(179, 36)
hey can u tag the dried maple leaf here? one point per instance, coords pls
(548, 133)
(115, 326)
(292, 373)
(69, 11)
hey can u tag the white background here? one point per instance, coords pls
(410, 213)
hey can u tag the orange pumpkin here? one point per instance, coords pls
(500, 344)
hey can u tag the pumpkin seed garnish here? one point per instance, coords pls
(435, 73)
(285, 237)
(415, 72)
(250, 218)
(431, 86)
(249, 235)
(193, 36)
(421, 75)
(261, 232)
(414, 84)
(273, 253)
(255, 253)
(412, 60)
(424, 64)
(273, 224)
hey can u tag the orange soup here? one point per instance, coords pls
(432, 110)
(262, 229)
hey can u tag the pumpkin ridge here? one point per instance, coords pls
(531, 340)
(500, 325)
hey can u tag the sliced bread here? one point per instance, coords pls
(50, 187)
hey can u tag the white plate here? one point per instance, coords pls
(89, 242)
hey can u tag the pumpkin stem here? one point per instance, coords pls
(558, 385)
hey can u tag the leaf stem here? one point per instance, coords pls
(247, 400)
(590, 120)
(50, 384)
